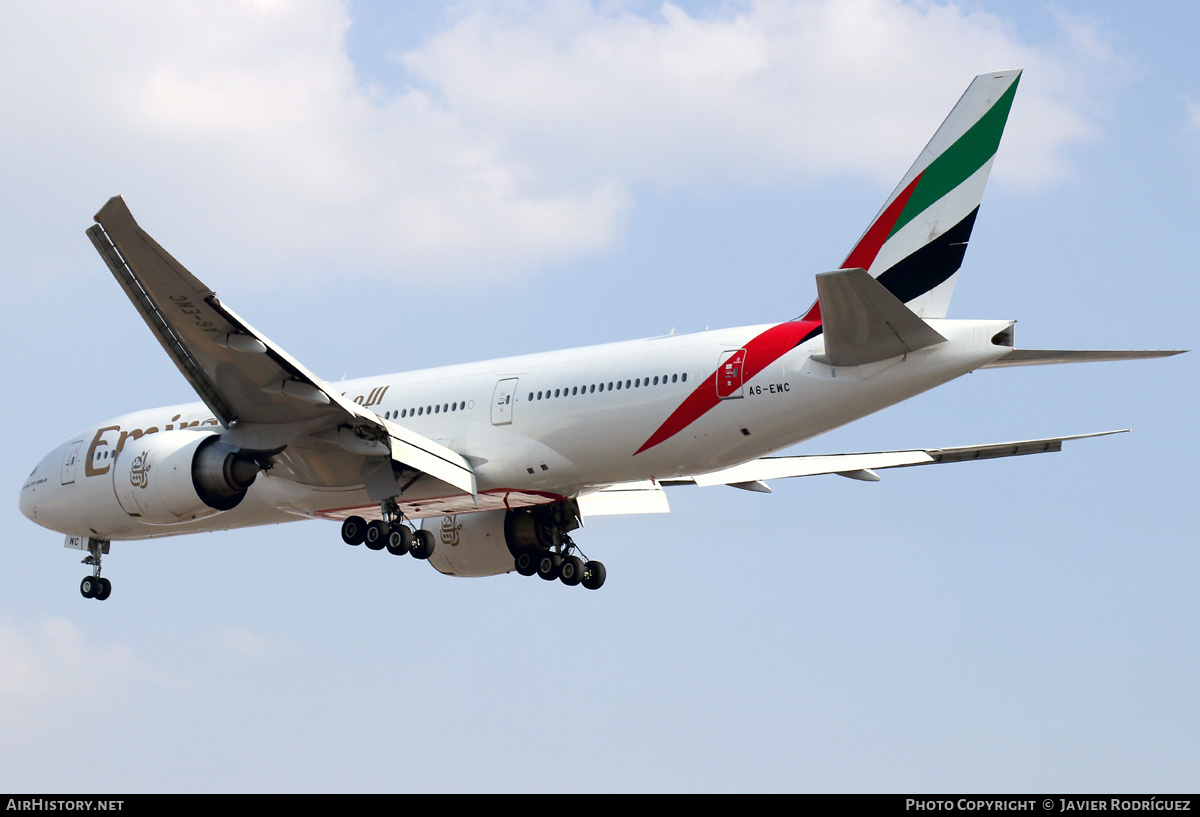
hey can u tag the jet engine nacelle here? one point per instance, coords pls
(471, 544)
(485, 543)
(178, 476)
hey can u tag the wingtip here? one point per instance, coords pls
(115, 205)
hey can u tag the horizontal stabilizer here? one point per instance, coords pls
(864, 323)
(1044, 357)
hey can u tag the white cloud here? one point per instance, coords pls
(51, 675)
(242, 642)
(1191, 120)
(244, 127)
(808, 88)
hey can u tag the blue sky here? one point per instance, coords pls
(379, 191)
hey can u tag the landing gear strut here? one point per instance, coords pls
(542, 546)
(563, 565)
(95, 586)
(390, 532)
(569, 569)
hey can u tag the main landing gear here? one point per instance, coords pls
(95, 586)
(540, 543)
(564, 566)
(389, 533)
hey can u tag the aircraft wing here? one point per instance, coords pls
(244, 378)
(648, 496)
(754, 474)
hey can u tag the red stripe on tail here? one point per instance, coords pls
(863, 254)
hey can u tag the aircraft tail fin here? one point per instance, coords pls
(916, 243)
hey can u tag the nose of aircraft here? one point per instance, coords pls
(26, 500)
(36, 491)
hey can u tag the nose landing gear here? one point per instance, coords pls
(95, 586)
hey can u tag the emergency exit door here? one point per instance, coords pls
(70, 460)
(731, 374)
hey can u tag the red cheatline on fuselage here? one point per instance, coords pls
(926, 264)
(761, 352)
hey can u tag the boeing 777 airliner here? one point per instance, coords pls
(486, 468)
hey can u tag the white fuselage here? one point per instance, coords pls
(574, 421)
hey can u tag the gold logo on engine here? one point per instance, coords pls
(139, 471)
(450, 531)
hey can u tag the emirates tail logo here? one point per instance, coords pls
(450, 531)
(139, 472)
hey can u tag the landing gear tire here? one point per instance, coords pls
(354, 530)
(548, 565)
(399, 540)
(105, 589)
(376, 535)
(422, 544)
(526, 562)
(593, 575)
(89, 587)
(570, 572)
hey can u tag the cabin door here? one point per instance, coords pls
(502, 401)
